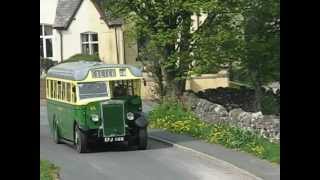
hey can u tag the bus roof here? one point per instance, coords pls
(78, 71)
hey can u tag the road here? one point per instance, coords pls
(159, 162)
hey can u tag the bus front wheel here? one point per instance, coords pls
(81, 140)
(142, 138)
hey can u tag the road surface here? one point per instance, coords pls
(159, 162)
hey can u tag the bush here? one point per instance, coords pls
(173, 117)
(270, 104)
(83, 57)
(46, 64)
(48, 171)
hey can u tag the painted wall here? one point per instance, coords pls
(47, 15)
(48, 11)
(207, 81)
(131, 51)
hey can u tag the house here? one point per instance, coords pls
(69, 27)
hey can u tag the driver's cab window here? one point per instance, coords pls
(122, 88)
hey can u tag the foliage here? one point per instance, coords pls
(261, 62)
(166, 26)
(173, 117)
(240, 34)
(48, 171)
(83, 57)
(269, 104)
(45, 65)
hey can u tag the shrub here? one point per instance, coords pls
(173, 117)
(270, 104)
(48, 171)
(83, 57)
(45, 64)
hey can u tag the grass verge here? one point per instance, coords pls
(48, 171)
(173, 117)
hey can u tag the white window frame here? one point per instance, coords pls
(90, 42)
(44, 38)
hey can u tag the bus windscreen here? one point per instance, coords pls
(92, 90)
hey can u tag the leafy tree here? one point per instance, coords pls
(261, 61)
(241, 34)
(166, 25)
(247, 39)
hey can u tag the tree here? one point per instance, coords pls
(166, 25)
(261, 61)
(241, 32)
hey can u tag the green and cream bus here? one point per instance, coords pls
(93, 102)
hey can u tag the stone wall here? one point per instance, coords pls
(243, 98)
(266, 125)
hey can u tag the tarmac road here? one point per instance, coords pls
(159, 162)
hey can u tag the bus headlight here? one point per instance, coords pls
(130, 116)
(94, 117)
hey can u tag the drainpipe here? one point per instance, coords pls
(124, 48)
(115, 32)
(61, 46)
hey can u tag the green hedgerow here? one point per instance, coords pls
(174, 117)
(83, 57)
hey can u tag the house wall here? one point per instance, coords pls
(207, 81)
(47, 15)
(131, 51)
(48, 11)
(88, 19)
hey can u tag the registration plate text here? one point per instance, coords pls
(114, 139)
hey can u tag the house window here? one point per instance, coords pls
(46, 41)
(89, 43)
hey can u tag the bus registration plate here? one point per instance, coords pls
(114, 139)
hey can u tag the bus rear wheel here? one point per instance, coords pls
(56, 137)
(81, 140)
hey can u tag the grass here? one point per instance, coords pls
(173, 117)
(48, 171)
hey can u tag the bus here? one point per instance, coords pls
(94, 102)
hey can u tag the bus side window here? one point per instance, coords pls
(47, 88)
(68, 92)
(59, 90)
(73, 94)
(63, 90)
(136, 87)
(54, 89)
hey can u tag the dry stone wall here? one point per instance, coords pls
(267, 126)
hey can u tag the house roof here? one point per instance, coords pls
(67, 9)
(78, 71)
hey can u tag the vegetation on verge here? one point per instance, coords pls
(48, 171)
(173, 117)
(83, 57)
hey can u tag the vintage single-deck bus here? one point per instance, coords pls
(91, 102)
